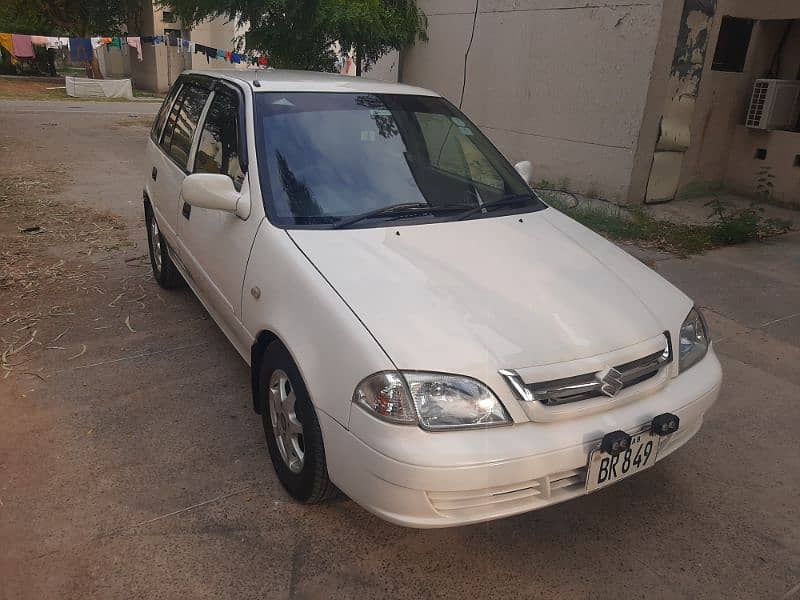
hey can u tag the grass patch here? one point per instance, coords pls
(148, 95)
(139, 121)
(635, 225)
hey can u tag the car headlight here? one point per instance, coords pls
(436, 401)
(694, 340)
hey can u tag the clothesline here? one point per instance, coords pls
(81, 48)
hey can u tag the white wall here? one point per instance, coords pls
(558, 82)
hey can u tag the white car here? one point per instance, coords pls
(424, 333)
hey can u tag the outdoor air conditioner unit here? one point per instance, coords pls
(775, 104)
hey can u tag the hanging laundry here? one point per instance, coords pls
(23, 47)
(6, 43)
(191, 47)
(263, 61)
(136, 42)
(185, 44)
(96, 42)
(221, 54)
(236, 58)
(202, 49)
(147, 39)
(57, 42)
(39, 40)
(80, 49)
(228, 56)
(116, 43)
(159, 39)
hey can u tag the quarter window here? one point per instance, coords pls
(182, 122)
(218, 150)
(447, 140)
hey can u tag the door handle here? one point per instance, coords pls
(186, 210)
(154, 174)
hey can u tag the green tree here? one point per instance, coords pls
(300, 33)
(79, 18)
(373, 27)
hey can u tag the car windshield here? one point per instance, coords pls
(328, 158)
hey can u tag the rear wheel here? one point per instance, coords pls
(164, 270)
(294, 438)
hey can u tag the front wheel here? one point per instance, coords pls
(293, 434)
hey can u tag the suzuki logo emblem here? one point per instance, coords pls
(610, 381)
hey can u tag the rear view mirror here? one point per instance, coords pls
(216, 192)
(525, 169)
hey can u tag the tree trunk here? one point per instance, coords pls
(93, 68)
(359, 60)
(401, 60)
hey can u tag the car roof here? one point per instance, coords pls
(285, 80)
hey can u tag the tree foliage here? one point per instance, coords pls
(374, 27)
(300, 33)
(80, 18)
(16, 18)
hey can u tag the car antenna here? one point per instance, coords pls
(256, 83)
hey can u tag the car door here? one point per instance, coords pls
(171, 155)
(216, 244)
(164, 206)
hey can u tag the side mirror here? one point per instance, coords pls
(214, 191)
(525, 169)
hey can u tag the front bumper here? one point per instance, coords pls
(416, 478)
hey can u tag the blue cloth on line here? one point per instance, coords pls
(236, 58)
(80, 49)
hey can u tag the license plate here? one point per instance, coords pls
(605, 469)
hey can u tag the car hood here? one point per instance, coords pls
(505, 292)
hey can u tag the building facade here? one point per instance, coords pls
(635, 101)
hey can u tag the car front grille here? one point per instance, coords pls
(590, 385)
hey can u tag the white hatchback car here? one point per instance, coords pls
(424, 333)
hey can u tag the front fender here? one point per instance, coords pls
(297, 305)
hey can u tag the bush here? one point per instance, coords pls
(736, 226)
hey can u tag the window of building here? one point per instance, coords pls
(732, 44)
(218, 150)
(167, 17)
(182, 122)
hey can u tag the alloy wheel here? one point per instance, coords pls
(155, 243)
(286, 427)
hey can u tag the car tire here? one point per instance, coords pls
(164, 270)
(291, 428)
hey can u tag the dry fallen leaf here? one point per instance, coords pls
(81, 353)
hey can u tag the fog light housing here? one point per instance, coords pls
(615, 443)
(665, 424)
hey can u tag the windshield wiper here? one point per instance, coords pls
(397, 210)
(493, 204)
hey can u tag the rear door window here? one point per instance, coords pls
(182, 122)
(219, 148)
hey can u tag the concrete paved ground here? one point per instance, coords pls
(132, 465)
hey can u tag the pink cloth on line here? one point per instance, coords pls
(136, 42)
(39, 40)
(23, 47)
